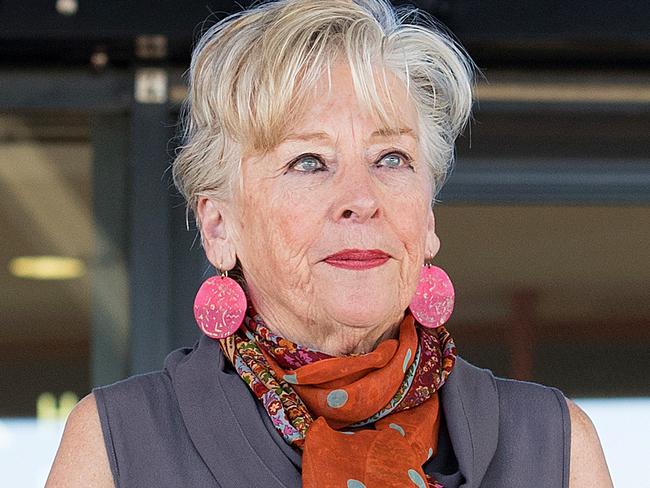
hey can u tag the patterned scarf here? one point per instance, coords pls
(353, 417)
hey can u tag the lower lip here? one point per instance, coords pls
(359, 264)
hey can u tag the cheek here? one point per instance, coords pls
(408, 215)
(279, 230)
(411, 227)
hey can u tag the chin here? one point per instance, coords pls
(363, 310)
(360, 298)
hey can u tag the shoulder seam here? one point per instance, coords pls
(104, 419)
(566, 430)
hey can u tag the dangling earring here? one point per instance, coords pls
(434, 297)
(219, 306)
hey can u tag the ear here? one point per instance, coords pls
(217, 241)
(432, 244)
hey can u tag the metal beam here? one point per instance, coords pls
(110, 293)
(150, 259)
(69, 89)
(564, 181)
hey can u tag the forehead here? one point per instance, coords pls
(383, 112)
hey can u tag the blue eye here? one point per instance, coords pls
(395, 160)
(392, 160)
(308, 164)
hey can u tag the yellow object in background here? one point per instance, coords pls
(47, 267)
(47, 407)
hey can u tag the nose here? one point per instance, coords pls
(357, 198)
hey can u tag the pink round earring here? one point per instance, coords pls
(434, 297)
(219, 306)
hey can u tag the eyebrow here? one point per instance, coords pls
(390, 132)
(382, 133)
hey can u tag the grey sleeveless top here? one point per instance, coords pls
(197, 424)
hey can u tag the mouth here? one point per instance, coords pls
(357, 258)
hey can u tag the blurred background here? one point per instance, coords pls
(544, 222)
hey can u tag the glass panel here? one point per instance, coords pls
(549, 293)
(45, 211)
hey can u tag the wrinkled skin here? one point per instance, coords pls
(292, 213)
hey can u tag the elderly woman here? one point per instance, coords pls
(318, 134)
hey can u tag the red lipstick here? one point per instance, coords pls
(358, 258)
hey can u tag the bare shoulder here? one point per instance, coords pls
(81, 459)
(588, 467)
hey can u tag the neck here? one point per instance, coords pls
(329, 336)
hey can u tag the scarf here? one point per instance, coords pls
(362, 420)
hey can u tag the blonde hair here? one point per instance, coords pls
(254, 70)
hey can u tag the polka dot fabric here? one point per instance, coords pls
(367, 420)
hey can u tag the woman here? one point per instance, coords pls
(318, 135)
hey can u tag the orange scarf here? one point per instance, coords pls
(339, 392)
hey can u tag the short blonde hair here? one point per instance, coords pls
(254, 70)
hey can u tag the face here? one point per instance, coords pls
(335, 185)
